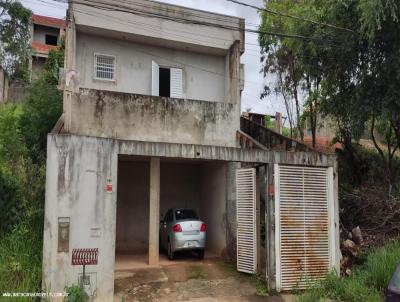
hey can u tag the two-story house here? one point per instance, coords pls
(151, 121)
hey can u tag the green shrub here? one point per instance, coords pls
(40, 112)
(76, 293)
(11, 200)
(367, 282)
(23, 135)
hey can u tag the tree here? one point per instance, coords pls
(302, 50)
(349, 66)
(15, 49)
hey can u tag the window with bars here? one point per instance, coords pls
(104, 67)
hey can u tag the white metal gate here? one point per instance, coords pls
(246, 220)
(303, 214)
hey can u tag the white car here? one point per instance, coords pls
(181, 229)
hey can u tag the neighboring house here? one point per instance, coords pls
(45, 33)
(260, 119)
(151, 120)
(4, 85)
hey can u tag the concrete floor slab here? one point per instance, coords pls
(188, 280)
(131, 261)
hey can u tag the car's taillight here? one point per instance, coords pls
(203, 227)
(177, 228)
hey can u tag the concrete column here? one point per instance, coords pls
(154, 219)
(270, 228)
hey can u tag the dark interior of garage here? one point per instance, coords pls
(193, 184)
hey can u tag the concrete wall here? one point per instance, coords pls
(213, 206)
(194, 185)
(40, 32)
(192, 35)
(157, 119)
(17, 90)
(203, 75)
(75, 188)
(132, 227)
(38, 65)
(179, 186)
(78, 170)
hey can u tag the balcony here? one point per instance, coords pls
(138, 117)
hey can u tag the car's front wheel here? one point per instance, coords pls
(170, 251)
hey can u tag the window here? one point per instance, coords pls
(104, 67)
(51, 40)
(185, 214)
(166, 81)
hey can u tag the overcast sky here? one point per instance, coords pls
(254, 81)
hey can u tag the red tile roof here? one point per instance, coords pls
(48, 21)
(42, 48)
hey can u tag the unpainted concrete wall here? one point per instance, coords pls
(17, 91)
(38, 65)
(213, 206)
(132, 233)
(78, 169)
(179, 186)
(40, 32)
(198, 186)
(156, 119)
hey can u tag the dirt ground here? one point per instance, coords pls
(192, 280)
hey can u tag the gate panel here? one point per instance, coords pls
(246, 220)
(302, 225)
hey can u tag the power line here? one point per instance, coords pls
(125, 9)
(119, 8)
(291, 16)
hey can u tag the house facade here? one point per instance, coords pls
(45, 34)
(151, 121)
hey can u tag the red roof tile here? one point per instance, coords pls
(48, 21)
(42, 48)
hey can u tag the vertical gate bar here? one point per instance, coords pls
(277, 228)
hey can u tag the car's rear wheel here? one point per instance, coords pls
(201, 254)
(170, 252)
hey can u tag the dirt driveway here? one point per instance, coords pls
(210, 280)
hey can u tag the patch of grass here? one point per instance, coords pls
(21, 258)
(367, 282)
(261, 288)
(195, 272)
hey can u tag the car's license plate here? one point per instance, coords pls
(191, 243)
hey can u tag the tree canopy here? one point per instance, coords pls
(15, 48)
(345, 63)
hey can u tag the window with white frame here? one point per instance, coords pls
(104, 67)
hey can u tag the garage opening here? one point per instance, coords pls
(184, 184)
(198, 186)
(132, 224)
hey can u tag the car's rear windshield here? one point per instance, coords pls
(185, 214)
